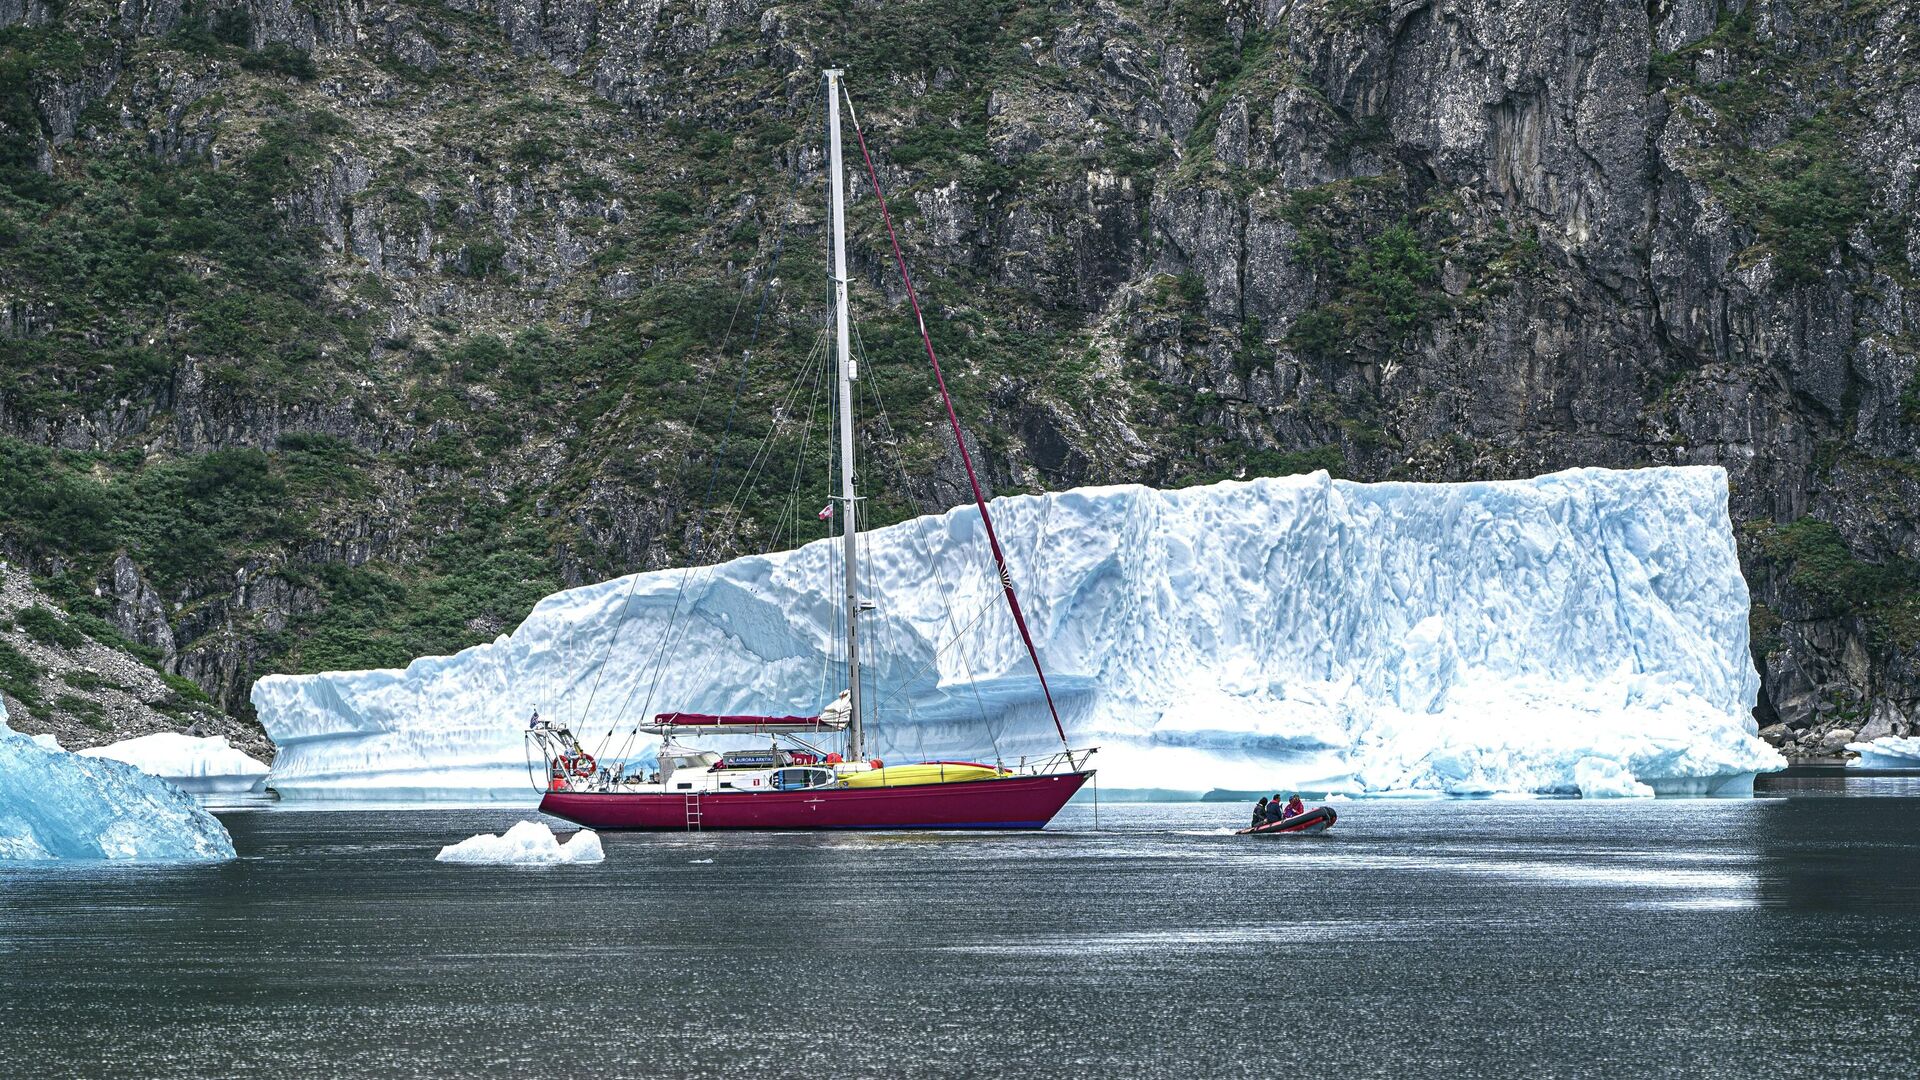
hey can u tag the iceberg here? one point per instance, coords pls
(191, 764)
(1887, 752)
(528, 843)
(56, 805)
(1581, 632)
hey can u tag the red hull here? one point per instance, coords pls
(1025, 802)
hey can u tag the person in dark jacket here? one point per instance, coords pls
(1259, 813)
(1273, 808)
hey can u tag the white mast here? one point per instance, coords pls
(849, 502)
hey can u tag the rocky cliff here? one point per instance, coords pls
(336, 332)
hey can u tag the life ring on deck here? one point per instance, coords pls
(584, 765)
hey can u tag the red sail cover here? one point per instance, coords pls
(696, 719)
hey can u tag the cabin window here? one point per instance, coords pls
(799, 779)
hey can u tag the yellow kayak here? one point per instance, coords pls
(932, 772)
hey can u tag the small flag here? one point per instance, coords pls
(826, 512)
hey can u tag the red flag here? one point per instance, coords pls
(826, 512)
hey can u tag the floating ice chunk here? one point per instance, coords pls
(1290, 633)
(1605, 778)
(1888, 752)
(197, 765)
(56, 805)
(51, 742)
(528, 843)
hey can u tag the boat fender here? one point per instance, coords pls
(877, 763)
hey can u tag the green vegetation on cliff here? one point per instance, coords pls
(1800, 195)
(1818, 563)
(357, 330)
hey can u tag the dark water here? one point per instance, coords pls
(1772, 937)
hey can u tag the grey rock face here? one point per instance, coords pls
(87, 693)
(1434, 239)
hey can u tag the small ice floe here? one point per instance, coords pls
(198, 765)
(1888, 752)
(699, 862)
(528, 843)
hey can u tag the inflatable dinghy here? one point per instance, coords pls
(1318, 819)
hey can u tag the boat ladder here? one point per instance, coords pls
(694, 814)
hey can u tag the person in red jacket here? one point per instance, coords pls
(1294, 808)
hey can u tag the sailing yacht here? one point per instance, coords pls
(813, 772)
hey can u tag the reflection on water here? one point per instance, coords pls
(1804, 780)
(1779, 935)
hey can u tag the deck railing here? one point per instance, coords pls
(1060, 761)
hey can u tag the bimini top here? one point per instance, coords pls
(670, 723)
